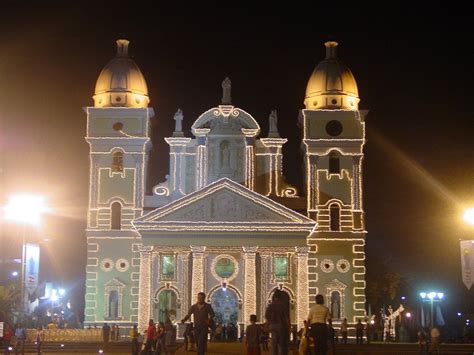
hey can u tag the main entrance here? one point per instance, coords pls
(224, 301)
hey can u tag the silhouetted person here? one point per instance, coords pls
(203, 317)
(278, 320)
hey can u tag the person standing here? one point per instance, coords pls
(150, 338)
(344, 331)
(253, 333)
(434, 347)
(7, 339)
(278, 319)
(188, 337)
(106, 333)
(134, 338)
(359, 333)
(317, 318)
(203, 317)
(39, 339)
(20, 335)
(422, 341)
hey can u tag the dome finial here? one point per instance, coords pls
(122, 47)
(226, 92)
(331, 49)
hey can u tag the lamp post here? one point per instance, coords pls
(431, 297)
(25, 209)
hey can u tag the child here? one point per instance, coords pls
(252, 337)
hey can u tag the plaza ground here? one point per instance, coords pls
(236, 348)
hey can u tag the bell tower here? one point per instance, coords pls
(333, 140)
(118, 135)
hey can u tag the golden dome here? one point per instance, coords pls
(332, 85)
(121, 83)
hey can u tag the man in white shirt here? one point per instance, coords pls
(317, 318)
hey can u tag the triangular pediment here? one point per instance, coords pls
(225, 204)
(115, 283)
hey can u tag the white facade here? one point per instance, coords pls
(225, 220)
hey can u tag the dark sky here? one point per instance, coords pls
(414, 72)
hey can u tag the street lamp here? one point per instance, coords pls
(469, 216)
(25, 209)
(431, 297)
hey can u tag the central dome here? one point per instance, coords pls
(121, 83)
(332, 85)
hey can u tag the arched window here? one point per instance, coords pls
(334, 164)
(116, 218)
(335, 214)
(113, 304)
(335, 305)
(117, 162)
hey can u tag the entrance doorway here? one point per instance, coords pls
(165, 305)
(224, 301)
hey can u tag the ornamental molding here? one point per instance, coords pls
(327, 265)
(214, 263)
(224, 206)
(340, 263)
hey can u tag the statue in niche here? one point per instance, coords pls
(225, 156)
(273, 127)
(178, 117)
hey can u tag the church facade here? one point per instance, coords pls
(225, 221)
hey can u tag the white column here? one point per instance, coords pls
(250, 279)
(144, 287)
(197, 271)
(302, 305)
(264, 281)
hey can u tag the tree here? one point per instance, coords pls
(9, 298)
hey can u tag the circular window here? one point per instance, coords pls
(107, 264)
(343, 265)
(334, 101)
(118, 126)
(334, 128)
(315, 103)
(224, 267)
(118, 99)
(122, 265)
(327, 265)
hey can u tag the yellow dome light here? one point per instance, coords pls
(121, 83)
(332, 85)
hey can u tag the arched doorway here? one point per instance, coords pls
(224, 301)
(165, 305)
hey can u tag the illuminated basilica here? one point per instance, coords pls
(225, 221)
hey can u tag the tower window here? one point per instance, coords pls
(335, 212)
(113, 304)
(334, 128)
(336, 305)
(117, 162)
(334, 164)
(116, 218)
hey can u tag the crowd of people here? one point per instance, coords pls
(317, 336)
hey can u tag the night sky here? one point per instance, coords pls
(414, 74)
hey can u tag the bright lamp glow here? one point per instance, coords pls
(431, 295)
(62, 292)
(408, 315)
(469, 216)
(25, 208)
(440, 295)
(15, 273)
(423, 294)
